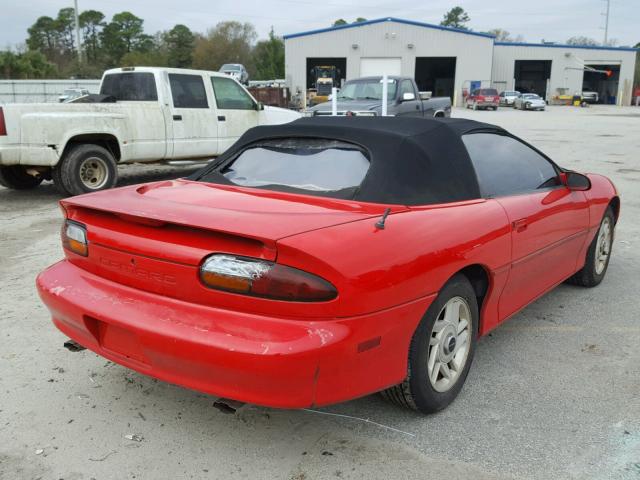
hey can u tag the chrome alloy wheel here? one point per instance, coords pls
(449, 344)
(603, 245)
(94, 173)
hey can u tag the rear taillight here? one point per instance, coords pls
(259, 278)
(3, 125)
(74, 238)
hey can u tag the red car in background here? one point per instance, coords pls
(327, 259)
(483, 98)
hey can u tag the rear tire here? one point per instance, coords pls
(438, 365)
(16, 177)
(598, 255)
(85, 168)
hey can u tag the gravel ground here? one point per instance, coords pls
(553, 394)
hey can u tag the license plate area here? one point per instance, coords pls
(117, 340)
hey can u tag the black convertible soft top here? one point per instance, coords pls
(414, 161)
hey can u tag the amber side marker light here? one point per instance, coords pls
(74, 238)
(259, 278)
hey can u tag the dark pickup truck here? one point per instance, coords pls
(363, 97)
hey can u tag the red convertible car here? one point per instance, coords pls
(329, 258)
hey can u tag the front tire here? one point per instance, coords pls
(598, 255)
(441, 350)
(85, 168)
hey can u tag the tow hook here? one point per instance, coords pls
(73, 346)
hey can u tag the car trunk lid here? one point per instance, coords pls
(154, 237)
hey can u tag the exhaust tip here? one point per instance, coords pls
(228, 406)
(73, 346)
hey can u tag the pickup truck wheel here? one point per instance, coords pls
(85, 168)
(16, 177)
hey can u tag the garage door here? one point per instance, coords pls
(371, 67)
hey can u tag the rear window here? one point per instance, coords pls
(311, 165)
(130, 86)
(488, 91)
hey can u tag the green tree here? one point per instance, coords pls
(228, 42)
(55, 38)
(124, 34)
(179, 43)
(360, 19)
(43, 35)
(91, 23)
(580, 40)
(30, 64)
(340, 21)
(268, 58)
(456, 18)
(65, 25)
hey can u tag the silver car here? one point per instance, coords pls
(70, 94)
(529, 101)
(237, 71)
(508, 97)
(590, 97)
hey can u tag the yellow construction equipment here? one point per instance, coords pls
(323, 79)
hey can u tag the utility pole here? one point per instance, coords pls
(606, 23)
(77, 20)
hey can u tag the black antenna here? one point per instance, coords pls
(380, 223)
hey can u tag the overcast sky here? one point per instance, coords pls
(551, 20)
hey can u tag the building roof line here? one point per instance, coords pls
(561, 45)
(387, 19)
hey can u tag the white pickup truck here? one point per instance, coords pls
(141, 115)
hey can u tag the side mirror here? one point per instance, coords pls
(407, 96)
(259, 106)
(575, 181)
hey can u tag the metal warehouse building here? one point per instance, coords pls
(551, 70)
(450, 62)
(442, 60)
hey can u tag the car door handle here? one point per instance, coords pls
(520, 225)
(177, 117)
(222, 118)
(417, 107)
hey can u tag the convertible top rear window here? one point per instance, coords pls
(309, 165)
(399, 161)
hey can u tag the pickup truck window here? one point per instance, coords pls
(368, 89)
(311, 165)
(229, 95)
(188, 91)
(130, 86)
(406, 87)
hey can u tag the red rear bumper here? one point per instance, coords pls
(257, 359)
